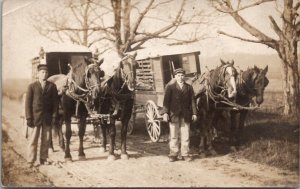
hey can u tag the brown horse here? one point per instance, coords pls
(211, 88)
(251, 83)
(80, 87)
(116, 101)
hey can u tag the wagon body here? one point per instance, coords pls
(57, 58)
(153, 74)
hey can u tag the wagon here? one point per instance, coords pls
(57, 58)
(154, 72)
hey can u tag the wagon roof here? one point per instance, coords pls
(66, 47)
(165, 50)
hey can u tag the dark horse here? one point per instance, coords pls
(80, 87)
(251, 83)
(217, 85)
(117, 101)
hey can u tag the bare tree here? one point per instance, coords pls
(71, 20)
(286, 44)
(128, 24)
(129, 33)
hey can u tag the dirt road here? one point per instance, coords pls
(148, 165)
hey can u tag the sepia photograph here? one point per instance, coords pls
(150, 93)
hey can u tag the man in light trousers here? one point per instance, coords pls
(179, 108)
(41, 112)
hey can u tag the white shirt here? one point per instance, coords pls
(180, 85)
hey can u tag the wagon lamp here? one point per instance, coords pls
(42, 53)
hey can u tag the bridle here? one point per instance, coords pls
(224, 82)
(250, 88)
(86, 93)
(86, 79)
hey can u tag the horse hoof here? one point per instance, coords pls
(202, 154)
(62, 149)
(102, 150)
(111, 158)
(212, 152)
(124, 156)
(233, 149)
(68, 160)
(81, 158)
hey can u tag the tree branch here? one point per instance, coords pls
(297, 6)
(270, 43)
(276, 27)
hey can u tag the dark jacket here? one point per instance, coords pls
(179, 102)
(41, 105)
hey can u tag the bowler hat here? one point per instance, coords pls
(179, 70)
(42, 67)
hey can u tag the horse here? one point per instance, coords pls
(251, 83)
(77, 91)
(210, 88)
(117, 100)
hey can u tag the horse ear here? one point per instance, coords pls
(100, 62)
(256, 69)
(265, 70)
(86, 59)
(134, 55)
(222, 61)
(232, 62)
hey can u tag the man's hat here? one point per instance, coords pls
(42, 67)
(179, 70)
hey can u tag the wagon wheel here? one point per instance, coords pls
(131, 124)
(152, 121)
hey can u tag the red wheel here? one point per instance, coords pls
(152, 121)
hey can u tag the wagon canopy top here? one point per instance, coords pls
(65, 47)
(165, 50)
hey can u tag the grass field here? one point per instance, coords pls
(271, 138)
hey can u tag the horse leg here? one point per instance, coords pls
(209, 136)
(82, 128)
(112, 137)
(61, 141)
(233, 134)
(243, 114)
(51, 147)
(103, 137)
(202, 145)
(68, 135)
(124, 154)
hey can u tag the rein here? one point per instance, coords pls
(70, 92)
(220, 98)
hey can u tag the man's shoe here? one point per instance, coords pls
(45, 162)
(29, 165)
(187, 158)
(172, 158)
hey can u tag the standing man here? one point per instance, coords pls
(179, 108)
(41, 111)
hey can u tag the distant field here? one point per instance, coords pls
(14, 88)
(274, 85)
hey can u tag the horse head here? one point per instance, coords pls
(128, 66)
(258, 83)
(93, 73)
(228, 78)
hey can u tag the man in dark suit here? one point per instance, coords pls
(41, 111)
(179, 108)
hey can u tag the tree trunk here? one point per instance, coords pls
(290, 77)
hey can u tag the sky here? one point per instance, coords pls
(21, 42)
